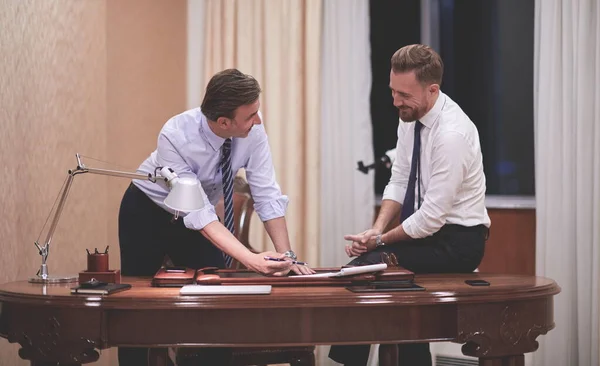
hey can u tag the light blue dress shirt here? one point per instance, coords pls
(187, 145)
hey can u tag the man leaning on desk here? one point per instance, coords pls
(210, 144)
(437, 186)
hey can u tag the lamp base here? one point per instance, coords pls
(53, 279)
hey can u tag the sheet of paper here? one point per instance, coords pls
(350, 271)
(324, 274)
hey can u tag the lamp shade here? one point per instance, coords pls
(186, 195)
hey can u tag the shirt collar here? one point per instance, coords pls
(429, 119)
(213, 140)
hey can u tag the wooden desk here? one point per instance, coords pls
(498, 324)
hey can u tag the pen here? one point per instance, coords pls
(283, 260)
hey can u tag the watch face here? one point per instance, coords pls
(290, 254)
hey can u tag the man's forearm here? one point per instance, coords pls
(395, 235)
(389, 210)
(277, 230)
(225, 240)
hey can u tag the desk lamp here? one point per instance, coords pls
(185, 195)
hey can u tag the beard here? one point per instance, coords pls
(410, 114)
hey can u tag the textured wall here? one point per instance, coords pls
(53, 98)
(147, 52)
(94, 77)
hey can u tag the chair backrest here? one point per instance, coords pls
(243, 208)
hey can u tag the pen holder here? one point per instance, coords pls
(97, 267)
(97, 262)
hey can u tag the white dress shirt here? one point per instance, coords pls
(187, 145)
(451, 178)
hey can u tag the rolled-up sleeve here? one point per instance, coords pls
(396, 188)
(198, 219)
(168, 155)
(449, 165)
(269, 202)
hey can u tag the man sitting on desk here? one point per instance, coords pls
(210, 144)
(437, 185)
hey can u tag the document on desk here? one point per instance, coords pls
(350, 271)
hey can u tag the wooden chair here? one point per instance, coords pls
(243, 208)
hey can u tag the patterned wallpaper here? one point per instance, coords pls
(92, 77)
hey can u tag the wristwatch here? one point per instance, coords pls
(378, 241)
(290, 254)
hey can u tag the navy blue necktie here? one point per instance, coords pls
(408, 207)
(227, 192)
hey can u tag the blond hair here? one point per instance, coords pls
(423, 60)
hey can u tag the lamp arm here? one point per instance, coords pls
(45, 249)
(165, 173)
(116, 173)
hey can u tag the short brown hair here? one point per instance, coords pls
(425, 62)
(226, 91)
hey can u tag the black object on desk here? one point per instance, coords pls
(386, 286)
(99, 288)
(477, 282)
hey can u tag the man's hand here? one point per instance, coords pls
(361, 243)
(302, 269)
(296, 268)
(258, 263)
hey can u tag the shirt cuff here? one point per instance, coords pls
(416, 227)
(197, 220)
(272, 209)
(394, 193)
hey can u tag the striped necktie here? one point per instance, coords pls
(408, 207)
(227, 192)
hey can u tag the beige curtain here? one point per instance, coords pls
(278, 42)
(567, 175)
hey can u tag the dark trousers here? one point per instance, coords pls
(146, 234)
(453, 249)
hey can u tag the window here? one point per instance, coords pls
(487, 48)
(393, 24)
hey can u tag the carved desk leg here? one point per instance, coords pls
(49, 336)
(500, 333)
(388, 354)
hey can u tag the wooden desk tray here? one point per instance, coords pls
(165, 277)
(111, 276)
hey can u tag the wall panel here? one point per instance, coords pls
(95, 77)
(511, 246)
(146, 60)
(53, 90)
